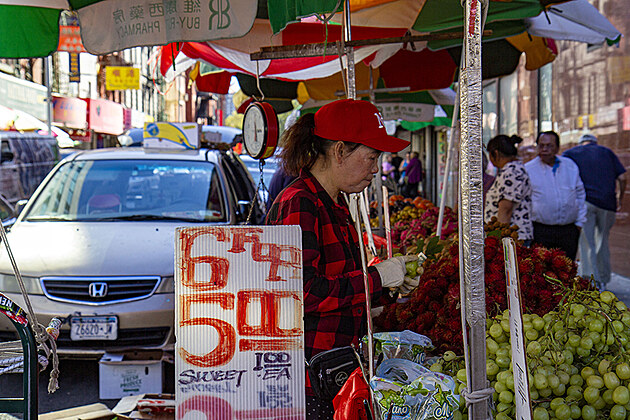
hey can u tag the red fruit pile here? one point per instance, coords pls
(407, 232)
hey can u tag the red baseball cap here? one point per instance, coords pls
(357, 122)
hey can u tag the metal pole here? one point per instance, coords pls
(471, 230)
(347, 34)
(49, 98)
(450, 151)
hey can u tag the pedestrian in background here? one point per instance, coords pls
(413, 176)
(396, 161)
(601, 172)
(335, 151)
(509, 197)
(558, 198)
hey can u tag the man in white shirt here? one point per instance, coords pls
(558, 196)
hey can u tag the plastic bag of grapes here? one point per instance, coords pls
(404, 390)
(401, 345)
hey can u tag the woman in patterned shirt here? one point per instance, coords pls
(335, 152)
(510, 196)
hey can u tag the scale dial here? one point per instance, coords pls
(260, 130)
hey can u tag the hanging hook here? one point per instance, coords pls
(258, 84)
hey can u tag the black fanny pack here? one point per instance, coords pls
(329, 370)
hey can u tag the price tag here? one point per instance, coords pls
(519, 360)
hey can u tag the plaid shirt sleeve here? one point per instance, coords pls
(334, 293)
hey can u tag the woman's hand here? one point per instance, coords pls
(394, 270)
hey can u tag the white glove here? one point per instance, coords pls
(409, 284)
(393, 270)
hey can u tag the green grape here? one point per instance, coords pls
(607, 396)
(607, 297)
(491, 345)
(617, 325)
(503, 361)
(576, 411)
(582, 352)
(575, 392)
(623, 371)
(595, 381)
(559, 390)
(449, 355)
(491, 368)
(578, 310)
(573, 340)
(621, 395)
(534, 348)
(553, 381)
(540, 381)
(555, 403)
(611, 380)
(538, 323)
(595, 337)
(505, 325)
(567, 355)
(540, 414)
(591, 394)
(461, 375)
(500, 387)
(589, 412)
(531, 334)
(502, 416)
(506, 397)
(495, 331)
(618, 412)
(603, 366)
(596, 326)
(599, 404)
(563, 412)
(545, 392)
(436, 367)
(576, 380)
(620, 306)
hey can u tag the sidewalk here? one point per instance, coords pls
(620, 286)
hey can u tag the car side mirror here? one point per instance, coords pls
(19, 206)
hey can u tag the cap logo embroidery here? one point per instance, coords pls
(379, 117)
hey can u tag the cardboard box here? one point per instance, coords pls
(147, 406)
(96, 411)
(130, 373)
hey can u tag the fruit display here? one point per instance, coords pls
(432, 309)
(577, 358)
(407, 232)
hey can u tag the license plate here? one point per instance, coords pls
(94, 328)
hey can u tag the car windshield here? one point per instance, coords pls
(107, 190)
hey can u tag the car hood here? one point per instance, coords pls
(91, 249)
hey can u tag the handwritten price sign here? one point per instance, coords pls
(238, 323)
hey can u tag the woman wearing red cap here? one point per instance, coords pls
(335, 151)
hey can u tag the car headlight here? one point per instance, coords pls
(167, 285)
(9, 284)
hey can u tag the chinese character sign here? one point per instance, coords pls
(122, 78)
(119, 24)
(238, 323)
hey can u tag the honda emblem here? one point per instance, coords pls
(97, 289)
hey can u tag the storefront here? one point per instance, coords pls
(70, 114)
(105, 122)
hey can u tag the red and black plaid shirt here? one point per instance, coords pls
(334, 292)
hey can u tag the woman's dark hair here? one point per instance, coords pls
(301, 148)
(506, 145)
